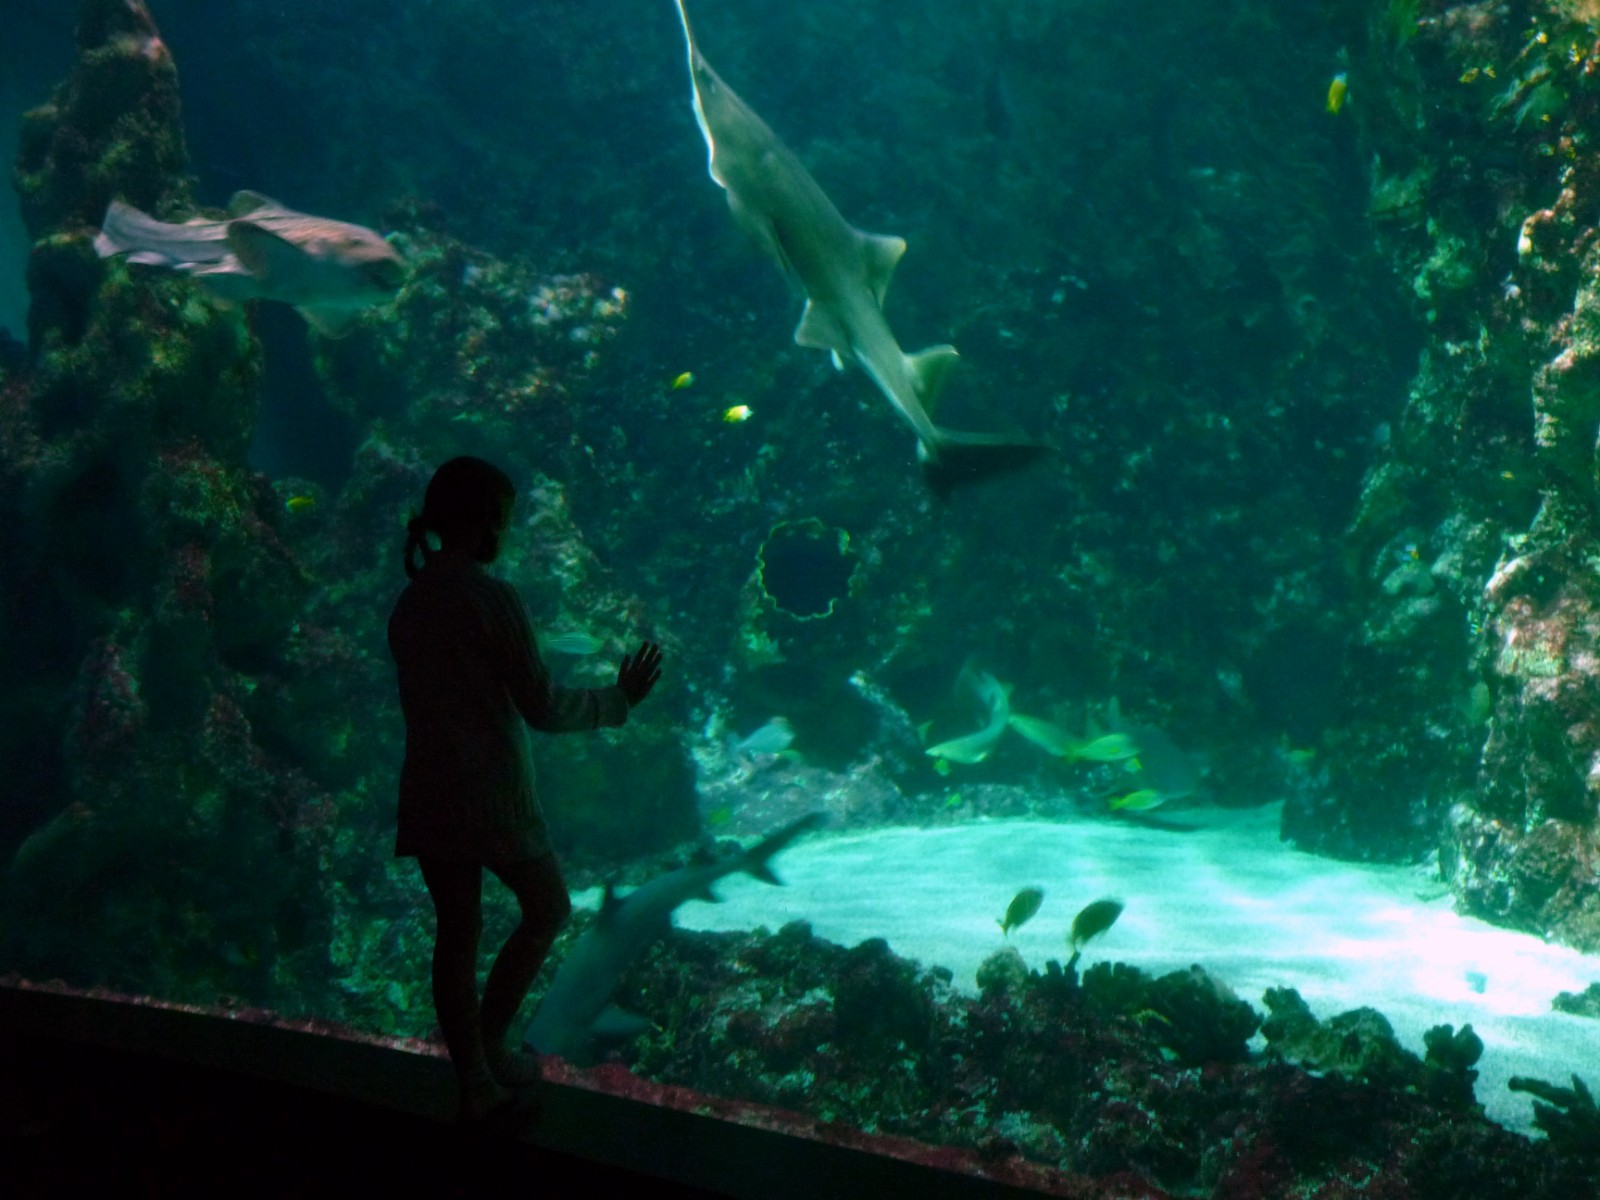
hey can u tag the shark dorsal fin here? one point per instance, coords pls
(244, 203)
(930, 368)
(879, 256)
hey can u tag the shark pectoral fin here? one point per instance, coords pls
(260, 250)
(879, 256)
(618, 1024)
(930, 368)
(329, 322)
(227, 283)
(820, 330)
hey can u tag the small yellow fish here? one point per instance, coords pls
(1108, 747)
(1142, 800)
(942, 766)
(682, 381)
(1469, 75)
(738, 414)
(298, 504)
(1338, 87)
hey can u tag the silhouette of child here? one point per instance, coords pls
(470, 679)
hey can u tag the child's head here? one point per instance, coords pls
(468, 505)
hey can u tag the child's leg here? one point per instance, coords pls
(457, 892)
(542, 893)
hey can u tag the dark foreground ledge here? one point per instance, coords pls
(148, 1098)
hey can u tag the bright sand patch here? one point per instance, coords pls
(1228, 896)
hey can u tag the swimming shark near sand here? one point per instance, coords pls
(578, 1005)
(842, 272)
(329, 271)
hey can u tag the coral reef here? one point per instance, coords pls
(1114, 1075)
(1568, 1116)
(1472, 694)
(171, 849)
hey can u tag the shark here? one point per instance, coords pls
(842, 272)
(329, 271)
(995, 698)
(577, 1008)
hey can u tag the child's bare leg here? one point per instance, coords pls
(457, 891)
(542, 893)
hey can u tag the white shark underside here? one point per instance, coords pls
(578, 1005)
(842, 272)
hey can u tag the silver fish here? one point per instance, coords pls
(776, 736)
(575, 642)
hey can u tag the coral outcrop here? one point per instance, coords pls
(1111, 1075)
(1473, 695)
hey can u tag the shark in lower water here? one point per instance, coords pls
(842, 272)
(328, 270)
(578, 1005)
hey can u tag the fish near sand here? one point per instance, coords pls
(328, 271)
(1021, 909)
(578, 1005)
(1093, 920)
(843, 274)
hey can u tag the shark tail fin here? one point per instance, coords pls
(962, 458)
(126, 228)
(755, 858)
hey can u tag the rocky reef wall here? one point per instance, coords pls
(1472, 693)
